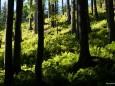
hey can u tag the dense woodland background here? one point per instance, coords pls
(43, 43)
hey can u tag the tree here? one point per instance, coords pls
(17, 40)
(83, 31)
(68, 12)
(35, 18)
(95, 10)
(49, 8)
(53, 14)
(56, 6)
(92, 6)
(8, 45)
(38, 67)
(73, 23)
(0, 7)
(30, 18)
(62, 8)
(110, 19)
(100, 4)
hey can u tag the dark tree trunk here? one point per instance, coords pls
(88, 20)
(106, 7)
(0, 7)
(62, 8)
(49, 8)
(68, 12)
(53, 14)
(111, 24)
(83, 31)
(35, 18)
(17, 40)
(56, 7)
(78, 11)
(8, 46)
(31, 17)
(92, 6)
(73, 23)
(95, 10)
(100, 4)
(38, 67)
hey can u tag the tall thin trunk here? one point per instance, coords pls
(56, 7)
(35, 18)
(68, 12)
(100, 4)
(62, 8)
(17, 40)
(53, 14)
(0, 7)
(30, 19)
(92, 6)
(111, 24)
(95, 10)
(88, 20)
(8, 46)
(38, 67)
(73, 22)
(49, 8)
(77, 34)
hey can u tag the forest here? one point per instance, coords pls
(57, 43)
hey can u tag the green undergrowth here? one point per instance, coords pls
(61, 52)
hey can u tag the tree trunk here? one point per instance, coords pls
(0, 7)
(56, 7)
(73, 22)
(52, 17)
(8, 46)
(30, 19)
(62, 8)
(111, 24)
(49, 8)
(38, 67)
(95, 10)
(88, 20)
(17, 40)
(35, 18)
(83, 31)
(68, 12)
(92, 6)
(100, 4)
(77, 34)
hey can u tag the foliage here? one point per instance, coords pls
(61, 52)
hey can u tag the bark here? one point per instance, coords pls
(17, 40)
(53, 14)
(8, 46)
(62, 8)
(38, 67)
(0, 7)
(100, 4)
(68, 12)
(73, 23)
(30, 19)
(77, 34)
(49, 8)
(95, 10)
(111, 24)
(35, 18)
(83, 31)
(92, 6)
